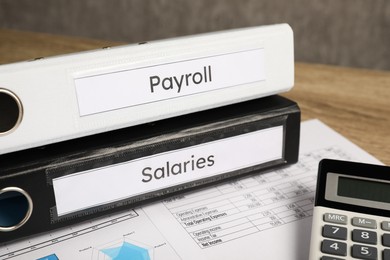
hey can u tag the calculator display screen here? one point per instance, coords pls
(363, 189)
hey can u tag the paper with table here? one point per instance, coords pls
(263, 216)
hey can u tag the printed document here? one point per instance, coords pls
(261, 216)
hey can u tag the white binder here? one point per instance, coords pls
(65, 97)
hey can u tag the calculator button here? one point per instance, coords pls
(334, 232)
(364, 222)
(386, 254)
(364, 236)
(334, 247)
(386, 239)
(331, 258)
(335, 218)
(386, 225)
(364, 252)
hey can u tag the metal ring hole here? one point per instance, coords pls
(11, 111)
(15, 208)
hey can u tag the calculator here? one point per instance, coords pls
(351, 215)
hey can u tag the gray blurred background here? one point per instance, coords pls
(353, 33)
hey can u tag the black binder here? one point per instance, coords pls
(31, 199)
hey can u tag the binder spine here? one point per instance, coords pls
(171, 166)
(149, 162)
(82, 94)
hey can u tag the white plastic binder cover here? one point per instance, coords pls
(75, 95)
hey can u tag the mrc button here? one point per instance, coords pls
(335, 218)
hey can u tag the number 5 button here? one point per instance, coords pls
(364, 252)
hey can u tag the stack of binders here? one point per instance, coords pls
(92, 133)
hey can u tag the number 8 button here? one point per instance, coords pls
(364, 236)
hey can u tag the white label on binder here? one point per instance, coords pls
(116, 90)
(104, 185)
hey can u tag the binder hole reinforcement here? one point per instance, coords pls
(15, 208)
(11, 111)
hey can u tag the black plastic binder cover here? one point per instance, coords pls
(33, 170)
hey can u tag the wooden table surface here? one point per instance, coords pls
(354, 102)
